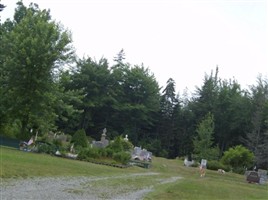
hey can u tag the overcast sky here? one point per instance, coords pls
(179, 39)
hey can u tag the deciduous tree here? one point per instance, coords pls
(203, 143)
(35, 47)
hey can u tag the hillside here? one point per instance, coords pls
(166, 179)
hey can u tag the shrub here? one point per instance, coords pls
(82, 155)
(119, 144)
(93, 153)
(215, 165)
(80, 138)
(109, 152)
(57, 142)
(127, 145)
(46, 148)
(11, 130)
(122, 157)
(85, 154)
(68, 138)
(102, 152)
(238, 158)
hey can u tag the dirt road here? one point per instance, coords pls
(73, 188)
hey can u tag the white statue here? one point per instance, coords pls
(126, 138)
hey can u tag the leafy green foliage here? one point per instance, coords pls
(238, 158)
(46, 148)
(232, 114)
(204, 141)
(38, 92)
(119, 145)
(137, 100)
(88, 153)
(34, 48)
(122, 157)
(80, 139)
(118, 150)
(68, 104)
(215, 165)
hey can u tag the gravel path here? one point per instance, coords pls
(72, 188)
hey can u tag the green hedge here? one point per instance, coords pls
(97, 153)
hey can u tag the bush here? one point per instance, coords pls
(109, 152)
(127, 145)
(80, 138)
(122, 157)
(68, 138)
(11, 130)
(102, 152)
(119, 144)
(46, 148)
(88, 153)
(57, 142)
(82, 155)
(215, 165)
(238, 158)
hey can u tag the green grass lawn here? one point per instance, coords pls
(18, 164)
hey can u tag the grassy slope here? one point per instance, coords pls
(19, 164)
(16, 163)
(213, 186)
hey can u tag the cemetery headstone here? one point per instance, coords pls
(103, 141)
(203, 167)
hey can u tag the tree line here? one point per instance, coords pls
(46, 87)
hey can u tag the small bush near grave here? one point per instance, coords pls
(80, 138)
(84, 154)
(102, 152)
(57, 142)
(238, 158)
(215, 165)
(46, 148)
(119, 144)
(96, 153)
(109, 152)
(122, 157)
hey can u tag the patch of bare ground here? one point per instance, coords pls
(75, 188)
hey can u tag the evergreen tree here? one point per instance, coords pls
(120, 57)
(2, 7)
(232, 114)
(169, 106)
(93, 79)
(257, 139)
(138, 103)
